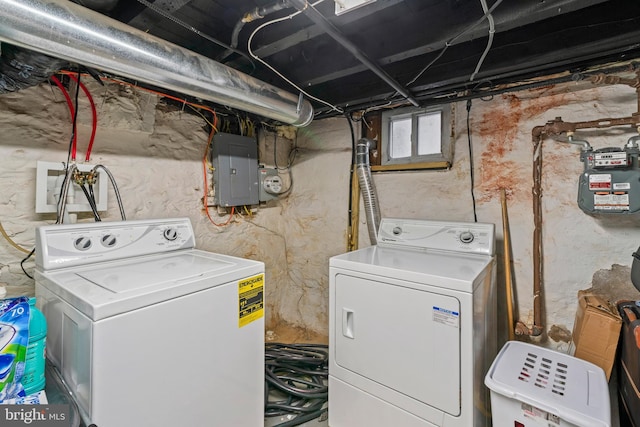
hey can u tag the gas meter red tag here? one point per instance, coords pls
(600, 182)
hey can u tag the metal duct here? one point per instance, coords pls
(66, 30)
(371, 207)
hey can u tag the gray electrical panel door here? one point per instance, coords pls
(235, 163)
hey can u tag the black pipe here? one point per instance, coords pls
(261, 12)
(256, 13)
(319, 19)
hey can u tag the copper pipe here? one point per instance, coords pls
(611, 80)
(557, 127)
(538, 268)
(552, 127)
(608, 79)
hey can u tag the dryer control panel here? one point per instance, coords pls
(478, 238)
(60, 246)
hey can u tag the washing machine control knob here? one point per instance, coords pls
(397, 230)
(466, 237)
(108, 240)
(170, 234)
(82, 243)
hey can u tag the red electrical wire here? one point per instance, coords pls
(71, 110)
(94, 117)
(94, 113)
(214, 129)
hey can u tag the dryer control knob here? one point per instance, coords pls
(397, 230)
(466, 237)
(170, 234)
(82, 243)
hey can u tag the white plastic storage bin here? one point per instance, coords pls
(533, 386)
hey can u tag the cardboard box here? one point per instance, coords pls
(596, 331)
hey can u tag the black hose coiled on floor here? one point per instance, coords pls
(296, 381)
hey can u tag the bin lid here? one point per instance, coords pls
(570, 388)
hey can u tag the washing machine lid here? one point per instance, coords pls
(447, 269)
(106, 289)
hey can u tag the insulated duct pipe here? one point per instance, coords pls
(66, 30)
(363, 170)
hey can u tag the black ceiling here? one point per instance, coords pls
(532, 37)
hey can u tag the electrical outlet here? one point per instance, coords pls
(49, 177)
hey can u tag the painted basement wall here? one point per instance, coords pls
(577, 246)
(155, 154)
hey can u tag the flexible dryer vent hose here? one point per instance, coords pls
(363, 170)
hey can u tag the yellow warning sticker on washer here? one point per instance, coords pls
(250, 299)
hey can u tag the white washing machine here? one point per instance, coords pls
(413, 327)
(149, 331)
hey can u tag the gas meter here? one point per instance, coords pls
(610, 183)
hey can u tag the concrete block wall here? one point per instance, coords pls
(155, 152)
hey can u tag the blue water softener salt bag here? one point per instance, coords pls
(14, 338)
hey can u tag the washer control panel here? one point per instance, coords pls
(440, 235)
(60, 246)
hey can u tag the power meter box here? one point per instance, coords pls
(270, 184)
(235, 163)
(610, 183)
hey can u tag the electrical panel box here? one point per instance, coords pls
(49, 178)
(235, 163)
(610, 183)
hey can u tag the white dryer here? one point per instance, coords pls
(413, 327)
(149, 331)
